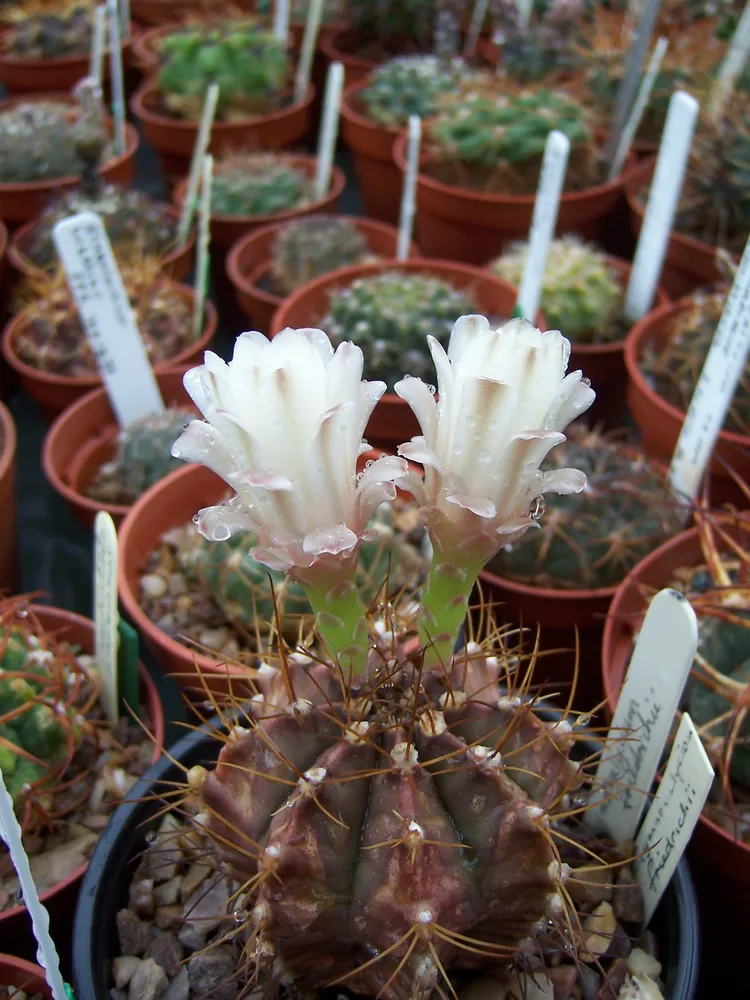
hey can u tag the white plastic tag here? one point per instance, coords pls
(117, 78)
(204, 245)
(639, 106)
(732, 66)
(307, 51)
(409, 192)
(202, 141)
(329, 129)
(106, 613)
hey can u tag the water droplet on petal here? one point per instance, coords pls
(431, 389)
(151, 837)
(484, 455)
(240, 916)
(537, 508)
(585, 381)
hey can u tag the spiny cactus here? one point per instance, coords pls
(543, 46)
(484, 139)
(673, 365)
(315, 245)
(51, 337)
(408, 85)
(250, 65)
(389, 315)
(42, 722)
(48, 29)
(143, 457)
(136, 224)
(593, 539)
(581, 294)
(255, 184)
(383, 28)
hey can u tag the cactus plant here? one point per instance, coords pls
(255, 184)
(384, 28)
(408, 85)
(672, 366)
(250, 65)
(48, 29)
(142, 458)
(581, 294)
(486, 140)
(593, 539)
(534, 51)
(50, 337)
(315, 245)
(390, 314)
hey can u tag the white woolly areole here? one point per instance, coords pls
(563, 727)
(452, 700)
(432, 723)
(559, 871)
(416, 829)
(266, 670)
(356, 732)
(508, 701)
(537, 813)
(273, 852)
(315, 775)
(487, 758)
(237, 732)
(302, 658)
(40, 656)
(302, 706)
(556, 904)
(425, 971)
(404, 757)
(261, 913)
(425, 915)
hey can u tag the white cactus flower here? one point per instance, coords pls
(503, 401)
(285, 424)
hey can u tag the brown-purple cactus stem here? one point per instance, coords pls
(386, 835)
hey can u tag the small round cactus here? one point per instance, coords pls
(38, 29)
(408, 85)
(39, 141)
(390, 315)
(250, 65)
(315, 245)
(591, 540)
(257, 184)
(581, 295)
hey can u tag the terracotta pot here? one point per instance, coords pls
(174, 139)
(227, 229)
(336, 45)
(660, 422)
(21, 201)
(249, 265)
(379, 179)
(393, 422)
(15, 927)
(84, 437)
(689, 263)
(604, 364)
(177, 264)
(474, 227)
(149, 12)
(30, 76)
(8, 538)
(24, 976)
(54, 393)
(3, 247)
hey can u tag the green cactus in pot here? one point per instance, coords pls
(259, 184)
(314, 245)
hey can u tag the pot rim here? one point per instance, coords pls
(50, 62)
(57, 618)
(29, 970)
(9, 437)
(349, 111)
(329, 46)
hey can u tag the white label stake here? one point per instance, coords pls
(524, 12)
(107, 316)
(116, 76)
(475, 28)
(329, 129)
(663, 199)
(309, 41)
(98, 41)
(733, 65)
(641, 102)
(106, 614)
(125, 18)
(409, 193)
(202, 141)
(670, 821)
(204, 245)
(281, 15)
(663, 655)
(543, 222)
(716, 386)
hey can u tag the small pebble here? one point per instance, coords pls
(598, 930)
(134, 933)
(123, 970)
(153, 586)
(641, 963)
(149, 981)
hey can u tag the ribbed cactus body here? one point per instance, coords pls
(145, 448)
(38, 142)
(315, 245)
(408, 85)
(256, 184)
(49, 31)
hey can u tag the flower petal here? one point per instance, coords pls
(422, 402)
(481, 506)
(334, 541)
(563, 481)
(199, 442)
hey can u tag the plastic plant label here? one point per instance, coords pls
(202, 141)
(116, 76)
(475, 28)
(329, 129)
(662, 658)
(663, 198)
(307, 51)
(715, 390)
(106, 316)
(409, 193)
(641, 103)
(671, 819)
(733, 65)
(204, 245)
(106, 614)
(281, 15)
(98, 41)
(543, 222)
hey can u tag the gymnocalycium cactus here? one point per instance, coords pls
(581, 293)
(390, 315)
(315, 245)
(593, 539)
(38, 29)
(41, 725)
(542, 47)
(255, 184)
(408, 85)
(384, 28)
(250, 65)
(486, 140)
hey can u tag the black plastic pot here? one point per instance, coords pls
(105, 888)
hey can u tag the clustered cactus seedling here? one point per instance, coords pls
(384, 28)
(408, 85)
(389, 315)
(48, 29)
(493, 142)
(42, 713)
(52, 339)
(142, 458)
(314, 245)
(592, 539)
(673, 365)
(250, 65)
(257, 184)
(581, 294)
(541, 48)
